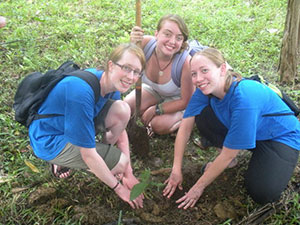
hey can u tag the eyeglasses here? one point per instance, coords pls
(127, 69)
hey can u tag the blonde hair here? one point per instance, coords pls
(118, 52)
(181, 24)
(218, 59)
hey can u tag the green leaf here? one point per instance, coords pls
(140, 187)
(145, 176)
(137, 190)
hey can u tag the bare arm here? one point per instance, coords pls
(183, 135)
(129, 180)
(97, 166)
(215, 169)
(123, 145)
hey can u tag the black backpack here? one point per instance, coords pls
(35, 87)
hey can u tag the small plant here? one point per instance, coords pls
(141, 187)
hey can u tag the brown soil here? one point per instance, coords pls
(83, 198)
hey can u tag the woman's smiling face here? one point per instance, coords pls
(120, 77)
(206, 75)
(169, 38)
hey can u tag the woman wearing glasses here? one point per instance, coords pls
(68, 140)
(164, 96)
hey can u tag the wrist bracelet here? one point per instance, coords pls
(161, 108)
(116, 185)
(157, 110)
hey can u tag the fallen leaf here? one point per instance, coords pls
(31, 166)
(19, 189)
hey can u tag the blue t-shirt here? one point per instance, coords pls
(74, 99)
(242, 112)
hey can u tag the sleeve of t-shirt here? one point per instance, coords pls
(196, 104)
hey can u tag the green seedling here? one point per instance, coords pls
(139, 188)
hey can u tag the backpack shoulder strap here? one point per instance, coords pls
(290, 103)
(177, 65)
(149, 48)
(88, 77)
(194, 46)
(91, 79)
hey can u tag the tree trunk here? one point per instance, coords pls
(289, 54)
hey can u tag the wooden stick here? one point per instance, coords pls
(138, 85)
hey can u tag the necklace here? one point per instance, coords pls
(161, 70)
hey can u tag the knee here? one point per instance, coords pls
(122, 111)
(156, 127)
(122, 164)
(130, 100)
(159, 127)
(262, 193)
(166, 125)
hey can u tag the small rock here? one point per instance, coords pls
(42, 195)
(151, 218)
(157, 162)
(155, 210)
(225, 211)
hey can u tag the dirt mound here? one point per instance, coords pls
(86, 200)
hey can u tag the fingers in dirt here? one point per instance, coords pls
(169, 191)
(131, 204)
(138, 203)
(167, 180)
(185, 202)
(186, 205)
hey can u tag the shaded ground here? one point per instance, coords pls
(83, 198)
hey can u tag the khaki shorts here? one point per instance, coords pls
(70, 156)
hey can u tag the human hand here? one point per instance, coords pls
(148, 115)
(124, 193)
(190, 198)
(129, 181)
(172, 182)
(136, 35)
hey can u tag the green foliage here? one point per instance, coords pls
(139, 188)
(145, 183)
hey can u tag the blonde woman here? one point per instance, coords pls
(234, 115)
(68, 140)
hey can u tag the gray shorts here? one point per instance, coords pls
(70, 156)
